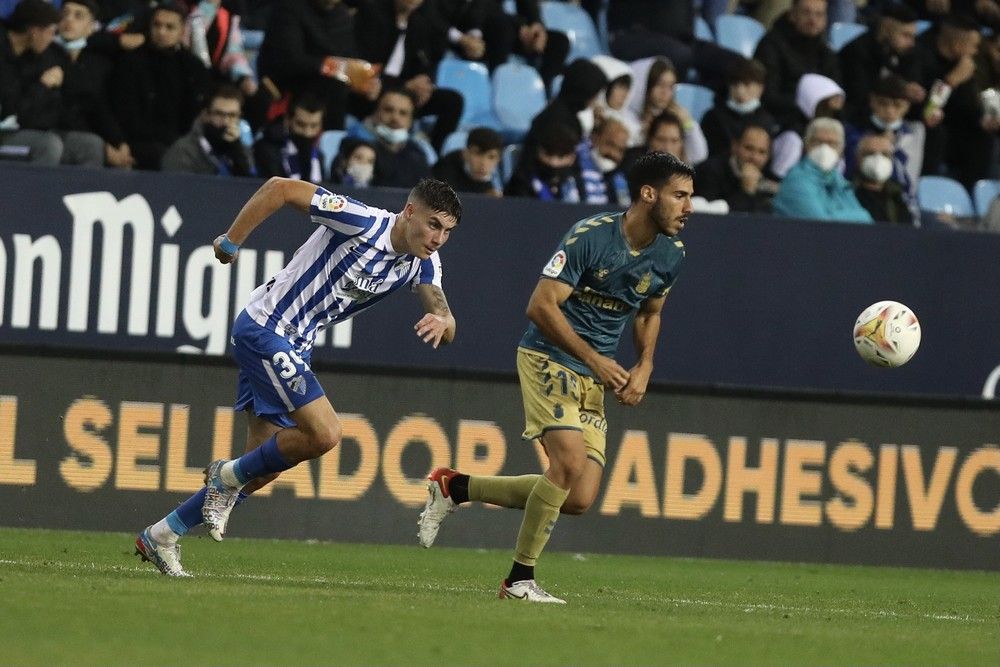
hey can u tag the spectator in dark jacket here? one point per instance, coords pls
(34, 91)
(399, 161)
(796, 45)
(886, 48)
(159, 88)
(724, 123)
(882, 196)
(579, 92)
(213, 146)
(473, 168)
(288, 146)
(550, 171)
(308, 47)
(738, 177)
(408, 39)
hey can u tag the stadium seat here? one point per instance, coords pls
(472, 80)
(429, 151)
(983, 193)
(695, 98)
(923, 26)
(841, 33)
(455, 141)
(573, 20)
(508, 160)
(941, 194)
(738, 33)
(329, 145)
(702, 30)
(252, 39)
(518, 96)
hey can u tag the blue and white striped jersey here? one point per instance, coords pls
(346, 266)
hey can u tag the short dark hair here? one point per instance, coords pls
(91, 6)
(225, 91)
(557, 138)
(438, 196)
(484, 139)
(747, 69)
(958, 23)
(892, 86)
(174, 6)
(398, 90)
(32, 14)
(307, 101)
(655, 169)
(665, 118)
(898, 11)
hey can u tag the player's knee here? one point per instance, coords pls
(325, 437)
(576, 506)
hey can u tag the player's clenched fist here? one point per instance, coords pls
(225, 250)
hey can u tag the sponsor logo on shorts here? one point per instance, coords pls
(555, 265)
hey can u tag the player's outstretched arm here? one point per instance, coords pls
(270, 197)
(437, 327)
(646, 329)
(544, 311)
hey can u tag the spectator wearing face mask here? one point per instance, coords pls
(739, 176)
(600, 161)
(886, 112)
(400, 161)
(724, 122)
(882, 196)
(213, 146)
(814, 189)
(354, 164)
(550, 172)
(473, 168)
(288, 146)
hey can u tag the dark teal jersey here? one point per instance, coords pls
(610, 282)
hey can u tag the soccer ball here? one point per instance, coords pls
(887, 334)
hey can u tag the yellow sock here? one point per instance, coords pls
(540, 513)
(510, 492)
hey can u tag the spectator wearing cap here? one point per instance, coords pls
(34, 91)
(793, 47)
(159, 88)
(724, 122)
(888, 106)
(473, 168)
(888, 48)
(213, 146)
(573, 106)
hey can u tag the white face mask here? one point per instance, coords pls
(605, 164)
(586, 118)
(71, 45)
(876, 167)
(824, 157)
(360, 173)
(743, 108)
(882, 125)
(390, 135)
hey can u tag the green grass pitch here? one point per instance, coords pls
(82, 598)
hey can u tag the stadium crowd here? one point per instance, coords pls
(350, 92)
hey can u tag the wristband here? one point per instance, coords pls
(227, 246)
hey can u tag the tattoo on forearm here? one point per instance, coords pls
(439, 302)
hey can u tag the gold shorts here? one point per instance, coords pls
(556, 397)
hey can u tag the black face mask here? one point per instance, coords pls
(553, 174)
(214, 136)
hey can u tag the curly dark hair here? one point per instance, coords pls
(438, 196)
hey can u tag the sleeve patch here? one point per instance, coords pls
(555, 265)
(331, 202)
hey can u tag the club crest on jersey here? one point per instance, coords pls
(601, 274)
(333, 203)
(644, 283)
(555, 265)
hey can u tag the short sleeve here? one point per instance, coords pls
(340, 213)
(429, 272)
(570, 259)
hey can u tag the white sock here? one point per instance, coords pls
(228, 474)
(161, 532)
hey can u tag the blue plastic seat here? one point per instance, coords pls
(738, 33)
(842, 33)
(941, 194)
(252, 39)
(983, 193)
(454, 141)
(428, 150)
(329, 146)
(573, 20)
(702, 30)
(695, 98)
(518, 96)
(472, 80)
